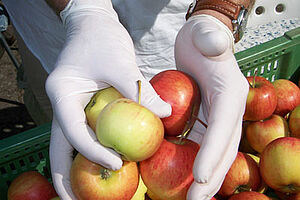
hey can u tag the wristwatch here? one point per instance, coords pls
(236, 12)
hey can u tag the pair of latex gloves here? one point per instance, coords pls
(99, 53)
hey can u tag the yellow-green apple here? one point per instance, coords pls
(294, 122)
(243, 175)
(244, 145)
(141, 190)
(280, 164)
(169, 172)
(98, 102)
(288, 95)
(260, 133)
(181, 91)
(261, 100)
(288, 196)
(92, 181)
(130, 129)
(249, 195)
(30, 185)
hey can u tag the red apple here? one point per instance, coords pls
(288, 95)
(92, 181)
(182, 92)
(243, 175)
(30, 185)
(280, 164)
(261, 99)
(249, 195)
(294, 122)
(168, 174)
(261, 133)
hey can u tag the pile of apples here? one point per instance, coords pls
(158, 158)
(268, 162)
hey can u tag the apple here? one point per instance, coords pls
(92, 181)
(181, 91)
(141, 190)
(168, 174)
(288, 95)
(260, 133)
(294, 122)
(55, 198)
(30, 185)
(261, 100)
(263, 186)
(280, 164)
(243, 175)
(288, 196)
(249, 195)
(244, 145)
(98, 102)
(130, 129)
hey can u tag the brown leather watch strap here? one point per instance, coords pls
(227, 7)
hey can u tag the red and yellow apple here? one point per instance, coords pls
(141, 190)
(260, 133)
(243, 175)
(288, 95)
(30, 185)
(294, 122)
(280, 164)
(130, 129)
(168, 174)
(181, 91)
(261, 100)
(98, 102)
(92, 181)
(249, 195)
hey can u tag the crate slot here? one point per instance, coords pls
(12, 166)
(275, 64)
(3, 170)
(31, 159)
(41, 156)
(22, 163)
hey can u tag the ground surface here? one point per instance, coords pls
(14, 117)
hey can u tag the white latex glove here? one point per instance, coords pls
(98, 53)
(204, 50)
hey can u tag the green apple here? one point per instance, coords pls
(98, 102)
(141, 190)
(130, 129)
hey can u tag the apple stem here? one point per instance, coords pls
(139, 90)
(199, 120)
(255, 74)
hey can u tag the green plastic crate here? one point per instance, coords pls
(278, 58)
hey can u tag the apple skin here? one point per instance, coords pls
(98, 102)
(294, 122)
(130, 129)
(261, 100)
(168, 174)
(140, 191)
(244, 145)
(288, 196)
(280, 164)
(260, 133)
(181, 91)
(243, 175)
(288, 96)
(249, 195)
(30, 185)
(92, 181)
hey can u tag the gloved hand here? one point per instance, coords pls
(98, 53)
(203, 49)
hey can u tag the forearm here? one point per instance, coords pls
(57, 5)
